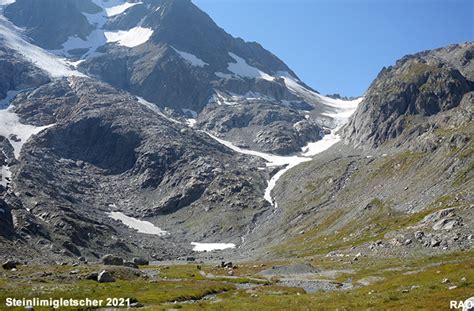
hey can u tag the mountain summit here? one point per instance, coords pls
(147, 47)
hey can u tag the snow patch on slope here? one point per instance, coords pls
(341, 110)
(209, 247)
(6, 2)
(119, 9)
(273, 160)
(16, 132)
(312, 149)
(93, 41)
(229, 98)
(157, 110)
(296, 88)
(191, 59)
(191, 122)
(97, 37)
(219, 99)
(244, 70)
(273, 181)
(4, 103)
(337, 109)
(129, 38)
(139, 225)
(53, 65)
(5, 175)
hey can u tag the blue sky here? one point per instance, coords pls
(339, 46)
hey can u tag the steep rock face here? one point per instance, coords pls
(421, 85)
(42, 19)
(95, 141)
(156, 73)
(6, 158)
(6, 222)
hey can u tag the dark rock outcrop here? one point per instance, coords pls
(111, 260)
(9, 265)
(140, 261)
(418, 86)
(105, 277)
(16, 73)
(6, 222)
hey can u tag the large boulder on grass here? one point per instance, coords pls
(9, 265)
(112, 260)
(141, 261)
(105, 277)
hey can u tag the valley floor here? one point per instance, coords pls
(316, 283)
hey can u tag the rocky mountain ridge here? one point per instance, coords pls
(400, 184)
(421, 85)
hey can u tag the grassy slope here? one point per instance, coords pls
(406, 285)
(335, 219)
(402, 284)
(20, 284)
